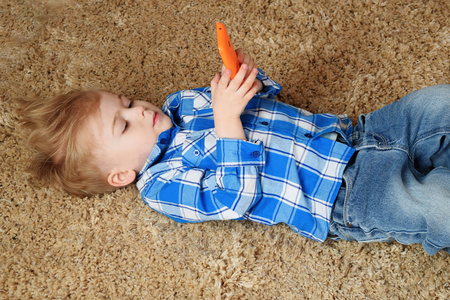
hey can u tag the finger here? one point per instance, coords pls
(251, 92)
(224, 79)
(251, 64)
(246, 59)
(223, 69)
(214, 82)
(239, 77)
(240, 55)
(249, 81)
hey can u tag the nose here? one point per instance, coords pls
(138, 110)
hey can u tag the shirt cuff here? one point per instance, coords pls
(270, 87)
(239, 153)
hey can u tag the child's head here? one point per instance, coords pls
(91, 141)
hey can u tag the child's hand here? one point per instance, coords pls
(245, 58)
(229, 98)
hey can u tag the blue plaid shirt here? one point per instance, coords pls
(286, 172)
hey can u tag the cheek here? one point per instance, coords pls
(144, 151)
(167, 122)
(148, 141)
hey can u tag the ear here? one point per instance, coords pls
(121, 178)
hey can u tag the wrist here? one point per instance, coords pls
(229, 128)
(259, 86)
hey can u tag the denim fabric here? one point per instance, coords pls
(397, 186)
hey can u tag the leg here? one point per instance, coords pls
(399, 185)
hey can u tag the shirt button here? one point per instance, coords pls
(255, 154)
(308, 135)
(163, 141)
(265, 123)
(196, 152)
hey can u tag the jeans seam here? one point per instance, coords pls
(424, 137)
(428, 135)
(348, 188)
(385, 147)
(433, 244)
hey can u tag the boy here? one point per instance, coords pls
(233, 152)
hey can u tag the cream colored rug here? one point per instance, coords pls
(330, 56)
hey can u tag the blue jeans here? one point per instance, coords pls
(397, 186)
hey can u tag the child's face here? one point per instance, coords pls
(127, 131)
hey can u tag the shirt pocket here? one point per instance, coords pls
(199, 150)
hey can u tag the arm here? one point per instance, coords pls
(187, 193)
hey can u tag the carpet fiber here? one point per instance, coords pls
(333, 56)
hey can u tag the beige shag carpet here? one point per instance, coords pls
(339, 56)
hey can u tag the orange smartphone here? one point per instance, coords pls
(226, 50)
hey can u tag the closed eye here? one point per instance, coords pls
(125, 126)
(124, 99)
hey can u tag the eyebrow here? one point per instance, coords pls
(116, 116)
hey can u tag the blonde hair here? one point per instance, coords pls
(63, 154)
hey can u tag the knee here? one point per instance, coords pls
(436, 96)
(433, 99)
(440, 91)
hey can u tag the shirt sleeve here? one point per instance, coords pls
(270, 87)
(194, 194)
(237, 175)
